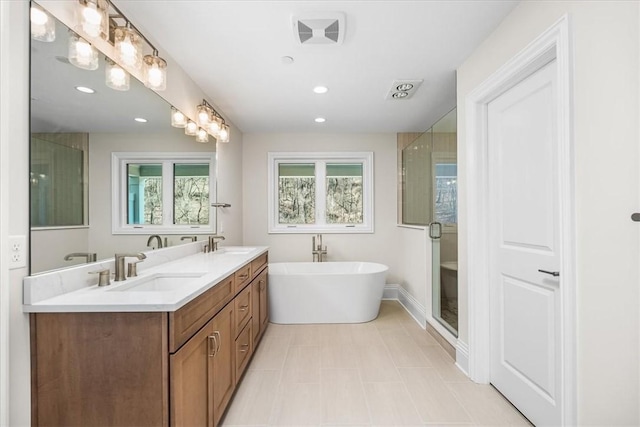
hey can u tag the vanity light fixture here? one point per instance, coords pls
(43, 26)
(202, 135)
(81, 53)
(178, 120)
(223, 135)
(128, 47)
(93, 18)
(212, 122)
(115, 76)
(191, 129)
(215, 126)
(155, 72)
(204, 114)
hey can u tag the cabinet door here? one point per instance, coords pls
(263, 283)
(191, 387)
(255, 306)
(223, 361)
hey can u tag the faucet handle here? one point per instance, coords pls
(104, 276)
(132, 268)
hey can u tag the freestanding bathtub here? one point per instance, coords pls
(325, 292)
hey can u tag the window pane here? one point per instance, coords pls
(296, 193)
(191, 194)
(144, 193)
(344, 193)
(446, 197)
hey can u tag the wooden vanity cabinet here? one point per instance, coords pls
(148, 369)
(202, 377)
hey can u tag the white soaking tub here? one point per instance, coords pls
(325, 292)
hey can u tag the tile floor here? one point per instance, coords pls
(381, 373)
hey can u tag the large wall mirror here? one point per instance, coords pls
(74, 136)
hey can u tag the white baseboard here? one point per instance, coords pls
(390, 292)
(462, 356)
(414, 308)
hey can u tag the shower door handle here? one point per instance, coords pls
(435, 230)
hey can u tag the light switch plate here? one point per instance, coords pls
(17, 252)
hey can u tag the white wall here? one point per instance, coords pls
(15, 140)
(381, 246)
(605, 41)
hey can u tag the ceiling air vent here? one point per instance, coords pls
(403, 89)
(319, 28)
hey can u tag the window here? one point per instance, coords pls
(445, 190)
(321, 192)
(163, 193)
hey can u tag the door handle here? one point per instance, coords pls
(435, 230)
(553, 273)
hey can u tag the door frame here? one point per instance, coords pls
(554, 43)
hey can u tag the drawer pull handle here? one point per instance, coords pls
(244, 307)
(244, 348)
(211, 342)
(243, 276)
(217, 340)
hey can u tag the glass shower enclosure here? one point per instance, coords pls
(430, 198)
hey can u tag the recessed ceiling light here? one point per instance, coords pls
(320, 89)
(404, 87)
(320, 120)
(140, 120)
(287, 60)
(84, 89)
(400, 94)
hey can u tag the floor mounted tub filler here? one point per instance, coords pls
(325, 292)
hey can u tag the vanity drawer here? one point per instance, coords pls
(187, 320)
(242, 276)
(258, 263)
(243, 350)
(243, 309)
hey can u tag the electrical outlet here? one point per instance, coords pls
(17, 252)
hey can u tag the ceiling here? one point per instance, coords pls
(233, 50)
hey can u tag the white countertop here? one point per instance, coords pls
(211, 268)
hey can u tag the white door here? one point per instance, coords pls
(525, 231)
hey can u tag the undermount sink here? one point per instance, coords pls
(233, 250)
(158, 282)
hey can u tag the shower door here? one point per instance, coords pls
(443, 229)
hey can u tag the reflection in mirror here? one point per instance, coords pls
(73, 136)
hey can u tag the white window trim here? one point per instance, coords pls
(366, 158)
(119, 161)
(441, 157)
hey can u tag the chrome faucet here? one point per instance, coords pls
(213, 242)
(90, 256)
(158, 240)
(317, 250)
(120, 275)
(193, 238)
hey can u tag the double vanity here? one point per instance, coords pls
(167, 347)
